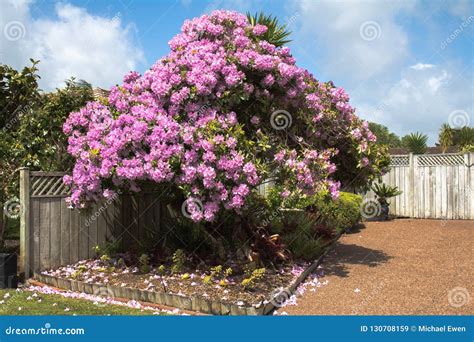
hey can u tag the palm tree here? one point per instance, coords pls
(415, 142)
(445, 137)
(276, 33)
(465, 136)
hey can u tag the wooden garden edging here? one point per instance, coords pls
(173, 300)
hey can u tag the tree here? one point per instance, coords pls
(445, 137)
(415, 142)
(18, 93)
(384, 136)
(462, 137)
(41, 141)
(31, 132)
(214, 131)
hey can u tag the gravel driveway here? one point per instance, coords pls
(401, 267)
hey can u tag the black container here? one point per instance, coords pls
(8, 266)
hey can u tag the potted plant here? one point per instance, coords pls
(383, 193)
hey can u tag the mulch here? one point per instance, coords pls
(400, 267)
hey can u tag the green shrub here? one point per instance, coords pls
(179, 260)
(144, 262)
(314, 220)
(251, 279)
(302, 239)
(337, 214)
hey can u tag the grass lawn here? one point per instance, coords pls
(51, 304)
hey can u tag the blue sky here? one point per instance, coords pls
(406, 64)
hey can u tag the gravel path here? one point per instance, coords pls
(407, 267)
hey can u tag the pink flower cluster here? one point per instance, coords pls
(197, 118)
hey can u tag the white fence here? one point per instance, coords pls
(434, 186)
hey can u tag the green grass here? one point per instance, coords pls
(51, 304)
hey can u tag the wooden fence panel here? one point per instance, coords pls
(434, 186)
(54, 235)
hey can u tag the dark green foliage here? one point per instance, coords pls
(314, 221)
(31, 126)
(384, 191)
(461, 137)
(17, 91)
(179, 260)
(144, 262)
(276, 33)
(384, 136)
(41, 141)
(445, 138)
(338, 214)
(415, 142)
(303, 240)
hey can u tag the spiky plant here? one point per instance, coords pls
(415, 142)
(445, 137)
(384, 191)
(276, 33)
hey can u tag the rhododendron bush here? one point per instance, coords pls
(224, 111)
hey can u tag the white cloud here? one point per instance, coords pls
(422, 66)
(461, 8)
(363, 46)
(360, 38)
(97, 49)
(421, 101)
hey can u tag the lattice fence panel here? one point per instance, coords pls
(47, 185)
(402, 160)
(440, 159)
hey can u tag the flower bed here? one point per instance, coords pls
(275, 289)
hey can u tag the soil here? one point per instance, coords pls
(189, 283)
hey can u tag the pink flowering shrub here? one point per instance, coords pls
(223, 111)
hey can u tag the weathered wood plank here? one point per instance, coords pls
(84, 232)
(468, 171)
(74, 241)
(35, 246)
(102, 225)
(65, 233)
(55, 238)
(44, 234)
(25, 229)
(439, 194)
(47, 173)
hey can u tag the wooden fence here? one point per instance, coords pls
(52, 235)
(437, 186)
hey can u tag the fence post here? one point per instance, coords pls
(24, 268)
(468, 162)
(411, 184)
